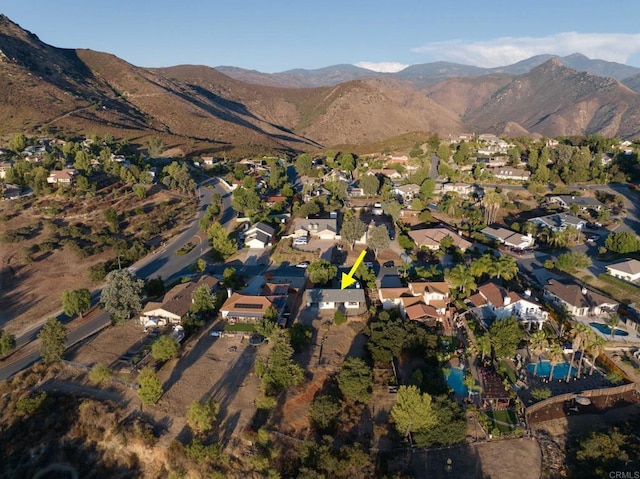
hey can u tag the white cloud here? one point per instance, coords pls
(616, 47)
(382, 67)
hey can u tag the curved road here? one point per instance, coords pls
(165, 263)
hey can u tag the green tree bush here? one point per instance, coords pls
(355, 380)
(150, 387)
(53, 338)
(165, 348)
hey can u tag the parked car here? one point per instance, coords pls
(301, 240)
(388, 264)
(303, 264)
(216, 333)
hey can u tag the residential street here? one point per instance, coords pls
(165, 263)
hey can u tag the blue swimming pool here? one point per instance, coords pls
(454, 378)
(604, 329)
(559, 372)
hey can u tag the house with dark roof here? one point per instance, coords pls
(559, 221)
(628, 270)
(175, 304)
(579, 300)
(249, 308)
(493, 302)
(582, 202)
(260, 235)
(351, 301)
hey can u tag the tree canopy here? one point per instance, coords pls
(53, 338)
(355, 380)
(76, 301)
(121, 295)
(412, 411)
(201, 417)
(150, 387)
(321, 271)
(165, 348)
(379, 238)
(505, 336)
(623, 242)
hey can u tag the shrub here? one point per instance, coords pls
(540, 394)
(31, 404)
(339, 318)
(100, 374)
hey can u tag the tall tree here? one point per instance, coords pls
(165, 348)
(222, 247)
(412, 411)
(370, 184)
(201, 417)
(352, 230)
(504, 268)
(483, 343)
(555, 356)
(202, 300)
(505, 336)
(379, 239)
(281, 371)
(121, 295)
(612, 321)
(76, 301)
(538, 345)
(461, 280)
(492, 201)
(53, 338)
(150, 387)
(17, 143)
(355, 380)
(321, 271)
(595, 345)
(7, 342)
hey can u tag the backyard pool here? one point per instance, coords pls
(559, 372)
(604, 329)
(454, 378)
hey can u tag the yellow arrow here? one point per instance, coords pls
(347, 279)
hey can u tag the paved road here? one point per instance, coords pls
(165, 263)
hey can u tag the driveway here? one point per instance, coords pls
(325, 247)
(256, 256)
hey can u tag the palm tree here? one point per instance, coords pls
(555, 355)
(491, 201)
(596, 348)
(529, 228)
(470, 382)
(586, 334)
(462, 280)
(612, 321)
(538, 344)
(482, 265)
(504, 268)
(575, 344)
(484, 345)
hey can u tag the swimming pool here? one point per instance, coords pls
(604, 329)
(455, 379)
(559, 372)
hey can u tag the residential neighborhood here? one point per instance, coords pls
(494, 293)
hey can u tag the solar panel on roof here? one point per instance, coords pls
(248, 306)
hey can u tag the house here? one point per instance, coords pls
(509, 173)
(248, 308)
(463, 189)
(579, 300)
(273, 199)
(582, 202)
(493, 162)
(559, 221)
(351, 301)
(5, 166)
(326, 229)
(62, 177)
(175, 304)
(509, 238)
(628, 270)
(388, 172)
(493, 302)
(407, 192)
(431, 238)
(259, 236)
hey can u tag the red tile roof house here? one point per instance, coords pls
(495, 302)
(579, 300)
(418, 301)
(63, 177)
(247, 308)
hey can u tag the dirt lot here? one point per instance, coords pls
(31, 283)
(106, 347)
(210, 368)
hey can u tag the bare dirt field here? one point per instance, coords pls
(505, 459)
(211, 368)
(42, 263)
(106, 347)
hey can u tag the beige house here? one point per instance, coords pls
(326, 229)
(628, 270)
(431, 238)
(579, 300)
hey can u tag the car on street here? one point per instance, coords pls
(215, 333)
(303, 264)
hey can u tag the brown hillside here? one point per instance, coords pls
(554, 100)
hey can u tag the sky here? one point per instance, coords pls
(382, 35)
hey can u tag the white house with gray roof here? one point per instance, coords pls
(317, 228)
(509, 238)
(259, 236)
(628, 270)
(350, 301)
(559, 221)
(582, 202)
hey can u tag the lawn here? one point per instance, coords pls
(240, 327)
(504, 416)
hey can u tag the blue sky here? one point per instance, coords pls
(278, 35)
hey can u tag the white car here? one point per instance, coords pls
(301, 240)
(304, 264)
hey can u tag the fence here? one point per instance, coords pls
(590, 394)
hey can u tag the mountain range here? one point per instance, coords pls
(231, 110)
